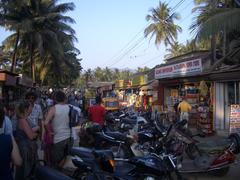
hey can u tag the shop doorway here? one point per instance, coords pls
(226, 94)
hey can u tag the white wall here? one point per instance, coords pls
(219, 106)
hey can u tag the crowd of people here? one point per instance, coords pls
(34, 124)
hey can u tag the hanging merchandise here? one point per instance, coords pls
(205, 121)
(203, 89)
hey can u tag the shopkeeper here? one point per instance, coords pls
(184, 107)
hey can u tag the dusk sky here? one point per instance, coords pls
(110, 32)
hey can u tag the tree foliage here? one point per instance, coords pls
(44, 39)
(219, 17)
(106, 75)
(162, 25)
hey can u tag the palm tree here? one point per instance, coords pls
(88, 76)
(10, 18)
(43, 32)
(175, 50)
(144, 69)
(216, 17)
(162, 25)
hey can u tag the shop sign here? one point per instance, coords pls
(119, 83)
(139, 80)
(123, 84)
(235, 118)
(180, 69)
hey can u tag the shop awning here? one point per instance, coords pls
(25, 81)
(8, 78)
(227, 73)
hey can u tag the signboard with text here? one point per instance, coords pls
(179, 69)
(235, 118)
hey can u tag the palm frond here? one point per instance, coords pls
(227, 19)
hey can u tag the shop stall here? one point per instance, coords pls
(187, 78)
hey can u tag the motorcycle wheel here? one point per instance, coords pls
(236, 140)
(192, 151)
(220, 172)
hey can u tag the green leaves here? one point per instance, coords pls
(46, 39)
(162, 25)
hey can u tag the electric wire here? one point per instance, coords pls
(139, 41)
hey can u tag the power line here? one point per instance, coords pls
(119, 52)
(150, 60)
(190, 2)
(178, 5)
(143, 52)
(186, 17)
(121, 57)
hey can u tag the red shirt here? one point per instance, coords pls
(96, 114)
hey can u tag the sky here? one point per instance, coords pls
(110, 32)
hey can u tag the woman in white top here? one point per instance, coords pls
(58, 115)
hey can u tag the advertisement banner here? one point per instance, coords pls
(235, 118)
(180, 69)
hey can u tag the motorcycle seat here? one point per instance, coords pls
(46, 173)
(82, 152)
(213, 146)
(117, 135)
(89, 153)
(129, 121)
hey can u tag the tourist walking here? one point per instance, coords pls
(26, 140)
(184, 108)
(58, 116)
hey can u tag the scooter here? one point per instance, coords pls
(218, 163)
(204, 158)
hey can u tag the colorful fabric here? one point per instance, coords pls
(96, 114)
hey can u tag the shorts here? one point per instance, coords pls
(184, 115)
(60, 150)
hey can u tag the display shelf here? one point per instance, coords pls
(205, 121)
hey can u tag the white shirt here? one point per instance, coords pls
(60, 123)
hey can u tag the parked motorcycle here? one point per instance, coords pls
(102, 165)
(217, 163)
(209, 159)
(102, 138)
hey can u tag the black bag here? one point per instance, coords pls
(74, 118)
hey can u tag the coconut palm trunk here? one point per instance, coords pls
(14, 59)
(32, 63)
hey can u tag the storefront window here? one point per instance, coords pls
(234, 93)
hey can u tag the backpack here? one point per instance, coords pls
(74, 117)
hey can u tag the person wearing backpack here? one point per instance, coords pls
(58, 116)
